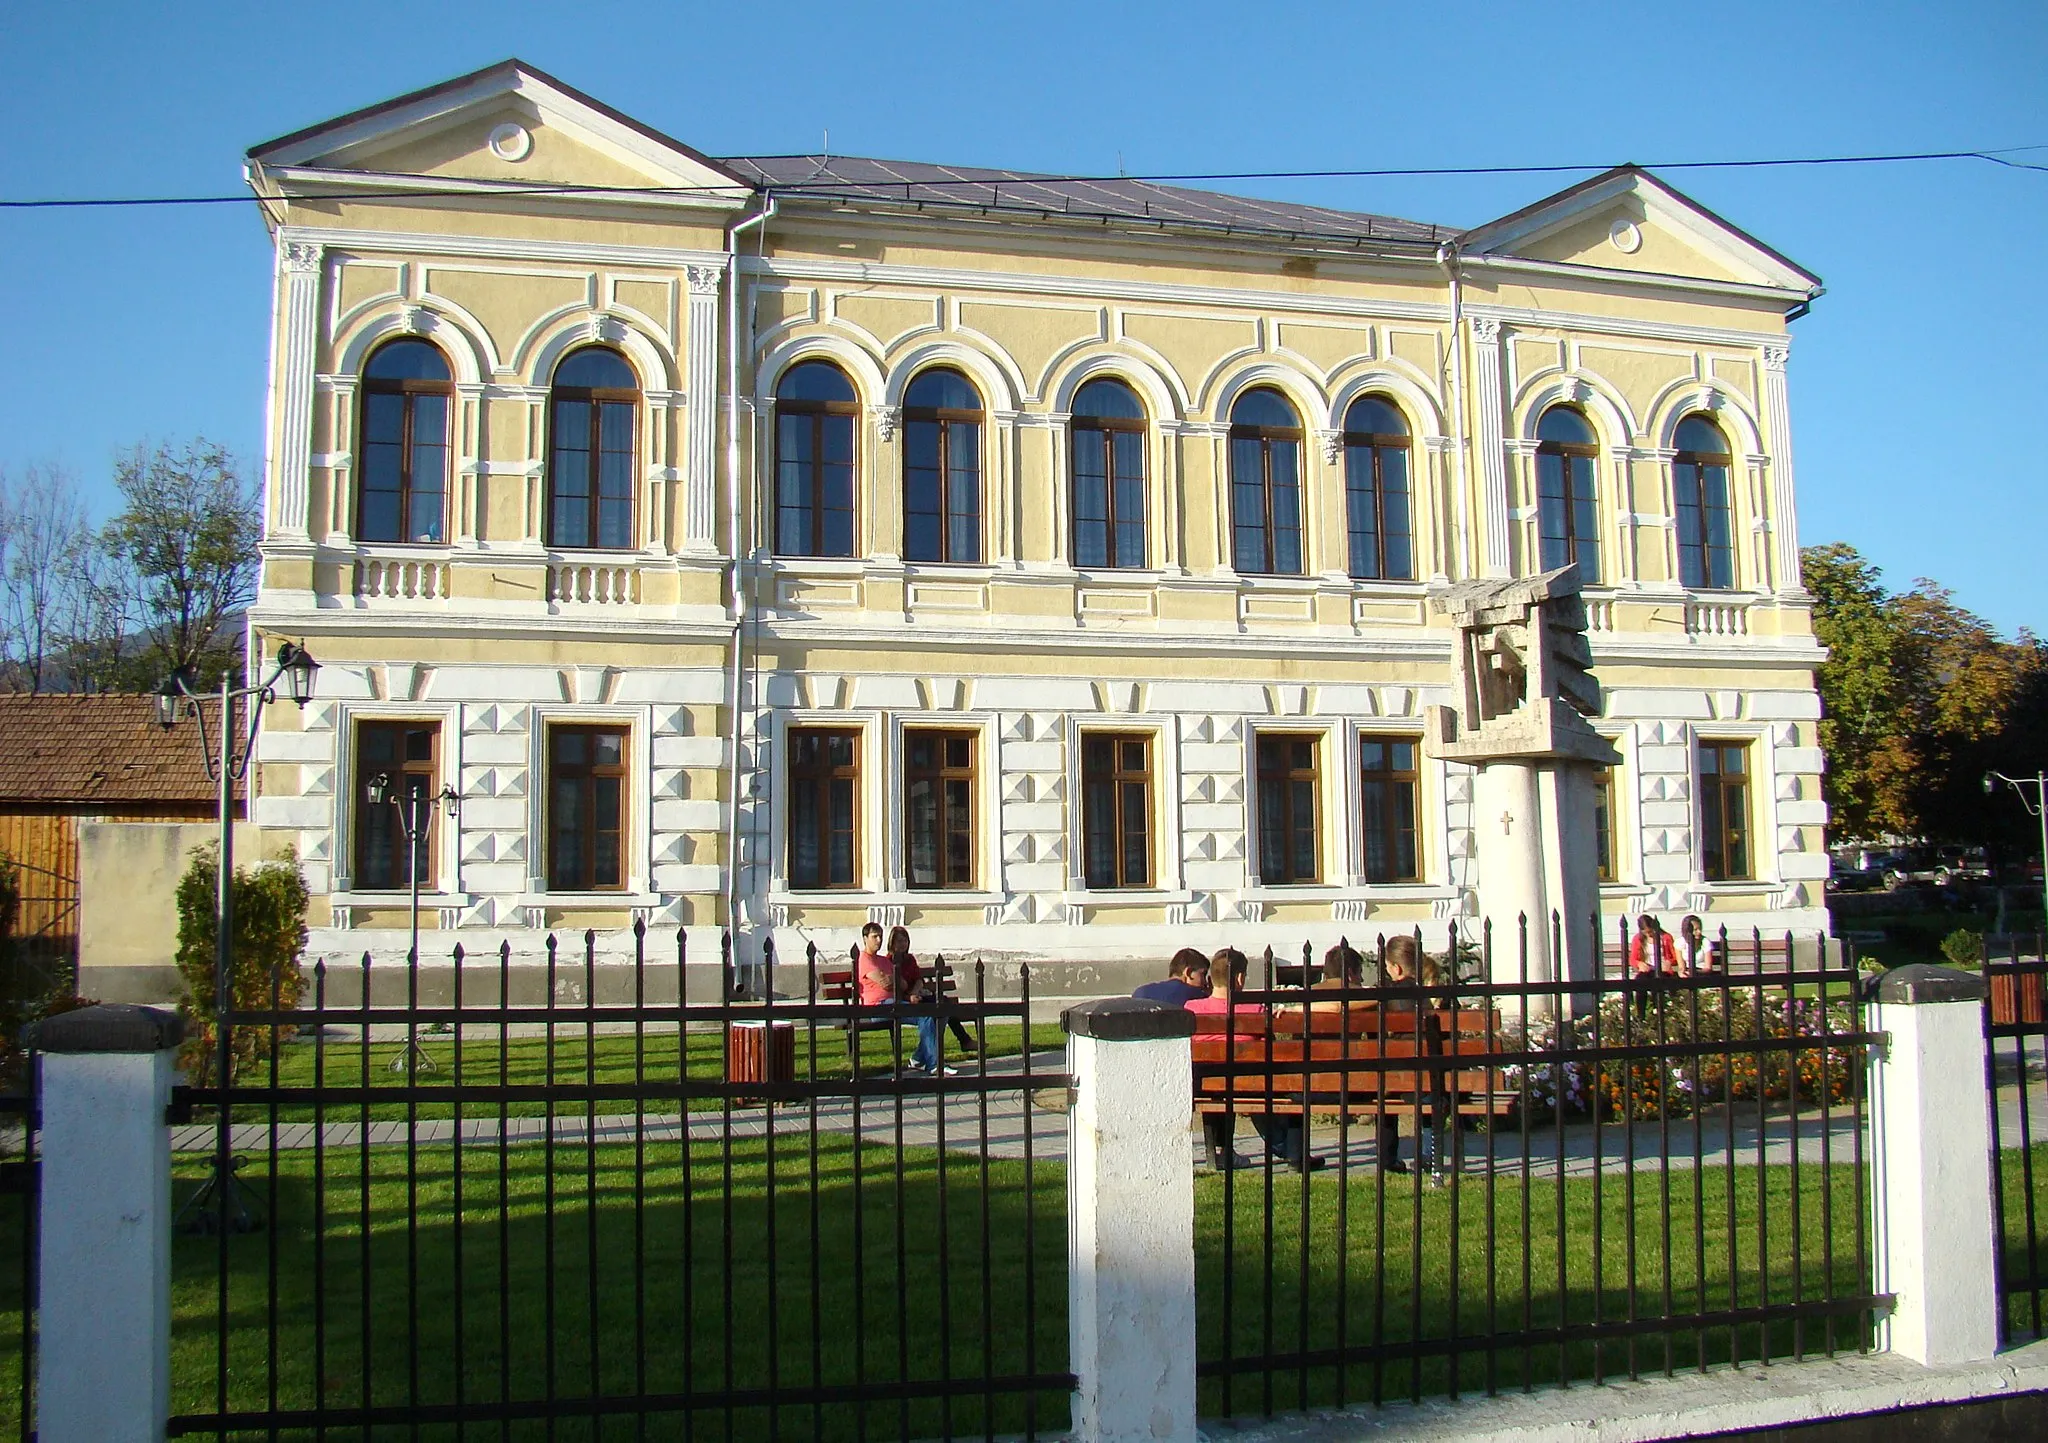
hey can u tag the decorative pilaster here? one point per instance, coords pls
(1778, 428)
(700, 435)
(292, 388)
(1486, 441)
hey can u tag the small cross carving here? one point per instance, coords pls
(1507, 823)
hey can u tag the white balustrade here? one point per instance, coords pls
(1599, 614)
(589, 584)
(1717, 618)
(379, 579)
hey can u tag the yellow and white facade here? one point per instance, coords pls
(924, 740)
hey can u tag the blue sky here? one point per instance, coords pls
(1916, 380)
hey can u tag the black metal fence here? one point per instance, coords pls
(644, 1218)
(1469, 1184)
(2016, 1068)
(18, 1174)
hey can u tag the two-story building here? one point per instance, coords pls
(1041, 562)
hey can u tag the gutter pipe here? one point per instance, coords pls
(732, 546)
(1447, 257)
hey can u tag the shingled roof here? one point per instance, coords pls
(100, 752)
(917, 184)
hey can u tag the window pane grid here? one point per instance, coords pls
(407, 752)
(586, 808)
(823, 785)
(1288, 850)
(1109, 492)
(592, 452)
(1567, 495)
(1116, 791)
(1389, 785)
(939, 808)
(1724, 811)
(403, 479)
(1265, 486)
(941, 471)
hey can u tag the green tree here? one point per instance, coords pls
(269, 934)
(188, 530)
(1918, 697)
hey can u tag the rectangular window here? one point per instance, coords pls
(938, 807)
(1390, 805)
(1116, 809)
(586, 808)
(407, 754)
(1603, 822)
(824, 793)
(1724, 811)
(1287, 809)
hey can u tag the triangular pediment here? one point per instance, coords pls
(1628, 220)
(508, 124)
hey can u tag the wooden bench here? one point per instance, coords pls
(1353, 1061)
(1743, 956)
(840, 985)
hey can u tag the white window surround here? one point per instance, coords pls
(1763, 807)
(347, 785)
(1625, 824)
(868, 804)
(894, 820)
(1169, 880)
(637, 831)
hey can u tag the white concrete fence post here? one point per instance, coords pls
(1931, 1165)
(1131, 1222)
(103, 1360)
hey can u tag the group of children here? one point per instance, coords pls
(1209, 988)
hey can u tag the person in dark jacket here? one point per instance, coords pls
(1410, 1015)
(1187, 978)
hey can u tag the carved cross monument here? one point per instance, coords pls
(1525, 689)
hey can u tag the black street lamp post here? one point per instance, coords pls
(226, 766)
(2037, 808)
(414, 808)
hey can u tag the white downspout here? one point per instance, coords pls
(732, 546)
(1447, 257)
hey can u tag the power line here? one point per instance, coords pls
(813, 186)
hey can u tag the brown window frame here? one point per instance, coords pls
(590, 773)
(1267, 436)
(1101, 432)
(1604, 858)
(422, 777)
(598, 398)
(945, 418)
(941, 774)
(1715, 808)
(819, 414)
(1689, 480)
(1370, 448)
(1117, 777)
(1573, 543)
(1282, 781)
(1390, 818)
(409, 392)
(819, 779)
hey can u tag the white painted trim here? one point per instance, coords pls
(1531, 319)
(349, 240)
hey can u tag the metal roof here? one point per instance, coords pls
(917, 184)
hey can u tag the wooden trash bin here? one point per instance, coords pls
(760, 1052)
(2018, 997)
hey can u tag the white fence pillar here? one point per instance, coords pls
(103, 1362)
(1931, 1165)
(1131, 1222)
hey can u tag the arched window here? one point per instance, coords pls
(1376, 491)
(590, 464)
(402, 487)
(1265, 484)
(1567, 516)
(1699, 480)
(1109, 475)
(815, 410)
(942, 469)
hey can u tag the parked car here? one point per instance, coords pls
(1845, 876)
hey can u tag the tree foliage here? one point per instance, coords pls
(1919, 697)
(269, 934)
(189, 526)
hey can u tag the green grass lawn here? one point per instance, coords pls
(616, 1058)
(637, 1250)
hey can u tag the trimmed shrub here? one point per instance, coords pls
(269, 934)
